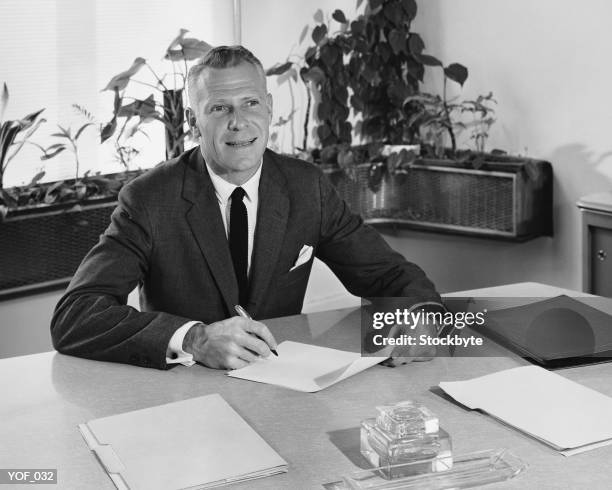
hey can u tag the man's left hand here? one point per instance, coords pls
(404, 354)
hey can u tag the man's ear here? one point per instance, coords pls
(191, 120)
(269, 104)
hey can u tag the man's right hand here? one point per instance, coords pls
(229, 344)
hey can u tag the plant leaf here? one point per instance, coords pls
(456, 72)
(429, 60)
(108, 129)
(133, 128)
(8, 198)
(37, 177)
(23, 141)
(286, 76)
(339, 16)
(357, 27)
(48, 156)
(57, 185)
(8, 132)
(330, 54)
(279, 68)
(116, 102)
(323, 132)
(175, 42)
(61, 135)
(410, 7)
(4, 98)
(120, 81)
(319, 33)
(65, 131)
(30, 118)
(374, 4)
(142, 108)
(303, 34)
(84, 112)
(393, 12)
(415, 44)
(397, 41)
(34, 127)
(318, 16)
(314, 74)
(81, 129)
(190, 49)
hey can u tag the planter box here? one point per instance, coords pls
(42, 246)
(507, 198)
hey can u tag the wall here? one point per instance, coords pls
(546, 63)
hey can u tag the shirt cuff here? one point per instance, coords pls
(175, 353)
(434, 307)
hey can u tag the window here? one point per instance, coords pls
(57, 53)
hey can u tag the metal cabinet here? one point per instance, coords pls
(596, 214)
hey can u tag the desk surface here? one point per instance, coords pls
(45, 396)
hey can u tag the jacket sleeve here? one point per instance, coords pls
(92, 319)
(362, 259)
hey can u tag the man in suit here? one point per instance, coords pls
(225, 223)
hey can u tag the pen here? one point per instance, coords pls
(245, 314)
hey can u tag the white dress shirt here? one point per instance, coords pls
(223, 191)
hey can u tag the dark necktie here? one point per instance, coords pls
(239, 242)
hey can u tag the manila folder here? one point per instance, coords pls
(562, 413)
(197, 443)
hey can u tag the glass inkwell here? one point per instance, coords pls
(405, 433)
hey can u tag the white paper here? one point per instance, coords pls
(562, 413)
(201, 442)
(304, 367)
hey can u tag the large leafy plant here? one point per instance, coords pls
(164, 105)
(383, 62)
(373, 65)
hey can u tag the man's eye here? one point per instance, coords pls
(218, 108)
(252, 103)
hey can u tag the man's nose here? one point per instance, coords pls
(237, 121)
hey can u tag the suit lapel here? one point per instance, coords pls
(204, 218)
(270, 230)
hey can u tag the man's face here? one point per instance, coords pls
(231, 111)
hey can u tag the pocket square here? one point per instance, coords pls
(303, 257)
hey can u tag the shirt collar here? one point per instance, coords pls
(224, 189)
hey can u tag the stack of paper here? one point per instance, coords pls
(201, 442)
(566, 415)
(305, 367)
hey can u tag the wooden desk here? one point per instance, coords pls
(45, 396)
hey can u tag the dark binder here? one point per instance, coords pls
(555, 333)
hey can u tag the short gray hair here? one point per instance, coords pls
(222, 57)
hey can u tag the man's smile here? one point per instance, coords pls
(241, 143)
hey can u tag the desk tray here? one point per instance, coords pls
(468, 470)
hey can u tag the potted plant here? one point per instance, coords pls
(373, 67)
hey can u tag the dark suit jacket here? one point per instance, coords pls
(167, 236)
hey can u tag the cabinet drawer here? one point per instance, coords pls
(601, 261)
